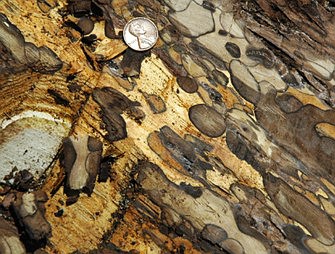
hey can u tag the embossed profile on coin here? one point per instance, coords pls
(140, 34)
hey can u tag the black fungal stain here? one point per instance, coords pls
(59, 213)
(86, 25)
(222, 32)
(195, 192)
(188, 151)
(113, 104)
(233, 49)
(59, 99)
(263, 56)
(208, 5)
(105, 167)
(89, 40)
(132, 60)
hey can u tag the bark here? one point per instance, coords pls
(218, 140)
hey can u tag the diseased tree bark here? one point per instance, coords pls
(218, 140)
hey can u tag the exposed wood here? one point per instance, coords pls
(221, 139)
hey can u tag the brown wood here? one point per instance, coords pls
(218, 140)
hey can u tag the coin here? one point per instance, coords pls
(140, 34)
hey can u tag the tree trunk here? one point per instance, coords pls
(218, 140)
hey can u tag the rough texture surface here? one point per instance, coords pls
(221, 139)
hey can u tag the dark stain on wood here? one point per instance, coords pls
(175, 68)
(24, 180)
(299, 208)
(109, 29)
(86, 25)
(81, 160)
(46, 5)
(171, 32)
(59, 98)
(179, 210)
(187, 153)
(246, 226)
(199, 50)
(288, 103)
(240, 138)
(208, 5)
(188, 84)
(195, 192)
(245, 84)
(32, 53)
(132, 60)
(74, 88)
(156, 103)
(290, 79)
(29, 209)
(79, 8)
(183, 151)
(207, 120)
(297, 237)
(12, 47)
(136, 114)
(17, 55)
(233, 49)
(89, 41)
(48, 61)
(214, 234)
(10, 238)
(105, 168)
(263, 56)
(296, 133)
(115, 125)
(243, 150)
(59, 213)
(113, 104)
(233, 246)
(213, 94)
(220, 77)
(222, 32)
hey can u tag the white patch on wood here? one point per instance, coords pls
(30, 141)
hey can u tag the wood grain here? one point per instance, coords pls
(218, 140)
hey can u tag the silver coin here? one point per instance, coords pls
(140, 34)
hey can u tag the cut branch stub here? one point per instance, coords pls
(81, 160)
